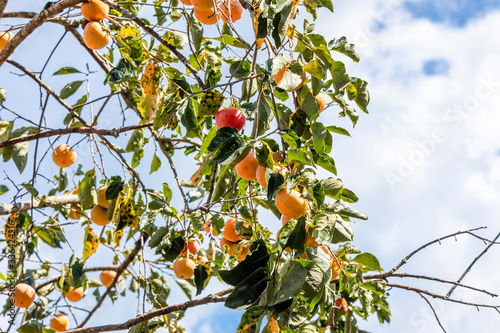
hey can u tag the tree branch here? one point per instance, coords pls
(138, 245)
(433, 311)
(38, 20)
(7, 209)
(72, 130)
(153, 33)
(216, 298)
(3, 4)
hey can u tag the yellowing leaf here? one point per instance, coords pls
(127, 30)
(248, 323)
(255, 20)
(271, 327)
(148, 106)
(90, 243)
(128, 214)
(210, 104)
(151, 79)
(117, 236)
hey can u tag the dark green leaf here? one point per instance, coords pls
(3, 189)
(319, 135)
(200, 276)
(292, 283)
(248, 291)
(114, 187)
(87, 190)
(70, 89)
(293, 236)
(341, 45)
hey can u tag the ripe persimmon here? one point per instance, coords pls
(184, 268)
(311, 242)
(207, 17)
(107, 277)
(23, 295)
(94, 10)
(99, 215)
(75, 213)
(224, 242)
(229, 231)
(233, 248)
(285, 219)
(207, 226)
(64, 156)
(292, 205)
(95, 36)
(203, 5)
(341, 304)
(59, 322)
(5, 37)
(101, 197)
(321, 99)
(247, 168)
(187, 2)
(74, 295)
(193, 246)
(231, 9)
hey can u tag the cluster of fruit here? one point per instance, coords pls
(24, 295)
(209, 12)
(95, 35)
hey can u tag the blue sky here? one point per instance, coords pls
(454, 12)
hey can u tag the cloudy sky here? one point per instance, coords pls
(425, 162)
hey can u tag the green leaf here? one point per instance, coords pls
(230, 150)
(338, 130)
(341, 45)
(293, 77)
(250, 320)
(339, 75)
(240, 69)
(136, 140)
(327, 163)
(309, 103)
(324, 227)
(313, 286)
(200, 277)
(20, 151)
(49, 237)
(257, 258)
(249, 290)
(186, 287)
(274, 184)
(196, 29)
(32, 326)
(292, 283)
(210, 104)
(313, 67)
(368, 260)
(291, 138)
(299, 155)
(70, 89)
(114, 188)
(123, 72)
(319, 135)
(264, 115)
(66, 70)
(155, 164)
(3, 189)
(293, 235)
(281, 21)
(77, 269)
(87, 190)
(332, 186)
(359, 93)
(30, 189)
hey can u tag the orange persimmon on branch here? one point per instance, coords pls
(188, 145)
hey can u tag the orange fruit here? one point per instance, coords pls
(207, 226)
(279, 75)
(99, 215)
(94, 10)
(193, 246)
(94, 35)
(75, 213)
(311, 242)
(247, 168)
(292, 205)
(224, 242)
(284, 219)
(101, 198)
(59, 322)
(107, 277)
(5, 37)
(23, 295)
(231, 9)
(203, 5)
(74, 295)
(243, 253)
(229, 231)
(321, 99)
(184, 268)
(64, 156)
(341, 303)
(186, 2)
(208, 16)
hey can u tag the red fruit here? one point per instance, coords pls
(230, 117)
(193, 247)
(341, 303)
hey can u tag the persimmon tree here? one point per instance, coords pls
(240, 108)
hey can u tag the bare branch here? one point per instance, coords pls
(444, 298)
(3, 4)
(72, 130)
(38, 20)
(472, 264)
(138, 245)
(55, 200)
(433, 311)
(216, 298)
